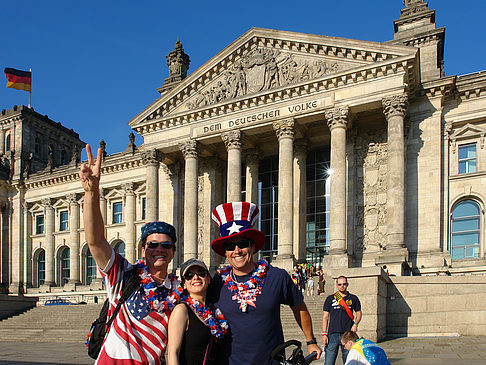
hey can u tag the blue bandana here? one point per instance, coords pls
(158, 227)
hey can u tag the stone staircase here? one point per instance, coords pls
(71, 323)
(56, 324)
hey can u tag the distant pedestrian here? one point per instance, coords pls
(310, 287)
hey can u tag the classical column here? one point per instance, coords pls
(27, 248)
(4, 253)
(337, 121)
(190, 152)
(300, 197)
(251, 188)
(49, 236)
(151, 160)
(130, 214)
(103, 206)
(285, 134)
(232, 141)
(74, 244)
(395, 108)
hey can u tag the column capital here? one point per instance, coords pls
(337, 117)
(232, 139)
(103, 192)
(189, 148)
(72, 198)
(395, 105)
(151, 157)
(128, 187)
(47, 203)
(284, 128)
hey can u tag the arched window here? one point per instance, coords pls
(120, 248)
(41, 268)
(466, 228)
(64, 265)
(90, 268)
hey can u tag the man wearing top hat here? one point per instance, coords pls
(250, 293)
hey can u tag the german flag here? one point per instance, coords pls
(20, 80)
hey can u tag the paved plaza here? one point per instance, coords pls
(404, 351)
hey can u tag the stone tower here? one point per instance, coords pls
(178, 63)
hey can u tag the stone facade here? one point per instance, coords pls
(360, 154)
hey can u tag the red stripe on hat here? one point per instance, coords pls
(228, 212)
(245, 209)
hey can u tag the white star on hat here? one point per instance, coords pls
(235, 228)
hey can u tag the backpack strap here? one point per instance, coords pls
(132, 284)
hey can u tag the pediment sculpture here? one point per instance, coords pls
(260, 70)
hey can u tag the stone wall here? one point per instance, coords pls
(439, 305)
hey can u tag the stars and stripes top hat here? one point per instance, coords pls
(236, 220)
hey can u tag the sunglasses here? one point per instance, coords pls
(155, 244)
(201, 273)
(344, 284)
(230, 246)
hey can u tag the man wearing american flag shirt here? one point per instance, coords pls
(138, 334)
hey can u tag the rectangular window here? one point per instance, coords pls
(467, 158)
(144, 205)
(117, 212)
(63, 220)
(39, 224)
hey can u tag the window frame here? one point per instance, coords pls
(63, 223)
(467, 160)
(463, 219)
(37, 224)
(116, 216)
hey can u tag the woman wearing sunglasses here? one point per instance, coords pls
(194, 325)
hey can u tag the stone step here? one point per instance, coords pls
(71, 323)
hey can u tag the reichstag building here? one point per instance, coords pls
(358, 154)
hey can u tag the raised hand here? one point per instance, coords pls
(90, 174)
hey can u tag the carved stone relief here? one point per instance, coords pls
(262, 69)
(371, 164)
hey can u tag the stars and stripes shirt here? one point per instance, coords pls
(138, 334)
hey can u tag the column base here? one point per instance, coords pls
(71, 285)
(284, 261)
(16, 288)
(96, 284)
(335, 261)
(396, 261)
(45, 288)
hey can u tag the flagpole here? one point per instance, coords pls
(30, 91)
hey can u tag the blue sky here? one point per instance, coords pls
(97, 64)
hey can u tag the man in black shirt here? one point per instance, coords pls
(338, 318)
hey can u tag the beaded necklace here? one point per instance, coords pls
(213, 317)
(245, 293)
(159, 302)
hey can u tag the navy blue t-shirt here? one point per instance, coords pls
(256, 333)
(339, 321)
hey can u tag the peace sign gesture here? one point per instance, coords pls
(90, 174)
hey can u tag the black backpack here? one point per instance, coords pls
(97, 333)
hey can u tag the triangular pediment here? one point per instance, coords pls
(264, 61)
(468, 131)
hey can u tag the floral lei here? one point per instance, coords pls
(213, 317)
(159, 302)
(255, 281)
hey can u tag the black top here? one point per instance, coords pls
(339, 321)
(195, 340)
